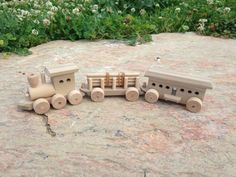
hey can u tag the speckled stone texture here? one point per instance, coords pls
(117, 138)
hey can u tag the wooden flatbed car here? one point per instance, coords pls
(112, 84)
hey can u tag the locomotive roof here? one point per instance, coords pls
(180, 79)
(61, 70)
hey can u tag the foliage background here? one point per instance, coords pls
(27, 23)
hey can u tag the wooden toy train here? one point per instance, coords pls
(60, 88)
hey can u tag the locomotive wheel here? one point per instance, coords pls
(41, 106)
(132, 94)
(97, 95)
(58, 101)
(75, 97)
(151, 96)
(194, 104)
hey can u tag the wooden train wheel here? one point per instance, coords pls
(194, 104)
(97, 95)
(41, 106)
(132, 94)
(58, 101)
(151, 96)
(75, 97)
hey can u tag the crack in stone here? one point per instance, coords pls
(48, 126)
(145, 173)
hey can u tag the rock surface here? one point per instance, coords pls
(119, 138)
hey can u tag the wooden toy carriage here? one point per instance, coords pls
(176, 88)
(112, 84)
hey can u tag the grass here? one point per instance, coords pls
(28, 23)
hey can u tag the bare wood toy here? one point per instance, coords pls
(177, 88)
(112, 84)
(56, 92)
(60, 88)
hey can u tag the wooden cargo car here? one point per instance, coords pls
(112, 84)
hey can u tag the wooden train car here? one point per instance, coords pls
(59, 89)
(112, 84)
(176, 88)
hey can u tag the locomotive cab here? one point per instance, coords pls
(62, 78)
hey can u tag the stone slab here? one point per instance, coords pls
(119, 138)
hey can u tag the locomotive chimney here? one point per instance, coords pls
(34, 79)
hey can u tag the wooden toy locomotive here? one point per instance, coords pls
(56, 92)
(161, 85)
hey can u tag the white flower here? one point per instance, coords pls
(142, 12)
(95, 7)
(185, 27)
(36, 6)
(119, 12)
(76, 11)
(80, 6)
(177, 10)
(65, 11)
(99, 16)
(184, 4)
(36, 12)
(5, 4)
(202, 20)
(36, 22)
(227, 9)
(50, 13)
(201, 24)
(116, 2)
(35, 32)
(25, 13)
(210, 1)
(133, 9)
(48, 4)
(54, 9)
(22, 14)
(125, 6)
(219, 10)
(20, 17)
(201, 27)
(109, 9)
(94, 11)
(46, 22)
(157, 5)
(66, 4)
(160, 17)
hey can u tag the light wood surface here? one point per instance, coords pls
(41, 106)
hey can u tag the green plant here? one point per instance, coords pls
(27, 23)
